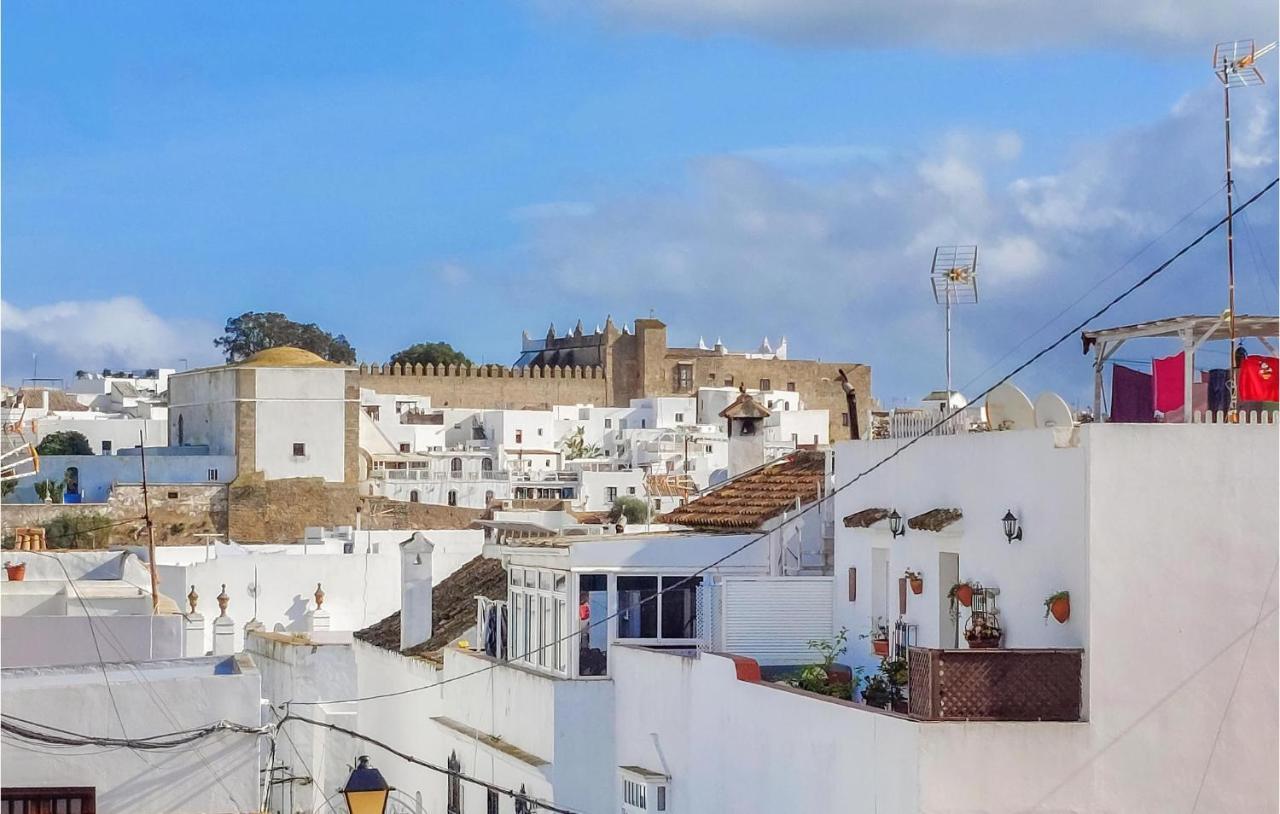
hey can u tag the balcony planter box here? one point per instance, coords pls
(880, 647)
(17, 571)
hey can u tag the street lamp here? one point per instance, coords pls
(366, 791)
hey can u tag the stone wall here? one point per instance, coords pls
(178, 511)
(279, 511)
(489, 386)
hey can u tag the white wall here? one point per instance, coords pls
(98, 473)
(219, 773)
(205, 401)
(731, 745)
(122, 432)
(300, 405)
(41, 641)
(593, 488)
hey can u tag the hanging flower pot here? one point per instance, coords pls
(1059, 606)
(17, 571)
(962, 592)
(915, 581)
(983, 631)
(880, 647)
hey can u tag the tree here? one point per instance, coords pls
(575, 446)
(65, 442)
(50, 490)
(630, 507)
(251, 332)
(431, 353)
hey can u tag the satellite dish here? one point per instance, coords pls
(1008, 408)
(1052, 411)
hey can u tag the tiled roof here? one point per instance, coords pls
(934, 519)
(745, 407)
(747, 501)
(865, 518)
(453, 607)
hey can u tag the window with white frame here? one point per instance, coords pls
(645, 613)
(643, 791)
(538, 599)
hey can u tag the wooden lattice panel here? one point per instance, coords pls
(996, 685)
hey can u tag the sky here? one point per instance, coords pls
(414, 172)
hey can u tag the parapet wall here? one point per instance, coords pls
(492, 386)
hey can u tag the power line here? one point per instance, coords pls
(1071, 333)
(515, 795)
(45, 733)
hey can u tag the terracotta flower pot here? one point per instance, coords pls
(917, 585)
(1061, 609)
(17, 571)
(880, 647)
(964, 594)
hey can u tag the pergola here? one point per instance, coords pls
(1194, 331)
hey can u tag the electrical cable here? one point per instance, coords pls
(515, 795)
(1069, 334)
(45, 733)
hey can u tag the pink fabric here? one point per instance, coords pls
(1167, 383)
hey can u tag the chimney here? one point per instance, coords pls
(415, 590)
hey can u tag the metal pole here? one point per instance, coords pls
(151, 536)
(1231, 254)
(948, 404)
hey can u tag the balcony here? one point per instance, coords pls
(995, 685)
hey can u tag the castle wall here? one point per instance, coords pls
(490, 386)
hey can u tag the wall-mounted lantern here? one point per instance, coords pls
(895, 524)
(366, 791)
(1012, 528)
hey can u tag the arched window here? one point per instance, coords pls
(486, 464)
(181, 434)
(454, 805)
(453, 497)
(455, 467)
(413, 496)
(71, 485)
(488, 497)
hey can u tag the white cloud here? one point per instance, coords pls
(839, 260)
(121, 332)
(453, 275)
(987, 25)
(552, 209)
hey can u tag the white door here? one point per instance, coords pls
(948, 619)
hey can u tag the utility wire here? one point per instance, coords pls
(515, 795)
(1069, 334)
(45, 733)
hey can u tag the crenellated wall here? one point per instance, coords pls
(492, 386)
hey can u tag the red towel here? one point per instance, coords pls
(1167, 376)
(1258, 379)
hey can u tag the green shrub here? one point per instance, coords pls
(50, 489)
(76, 530)
(630, 507)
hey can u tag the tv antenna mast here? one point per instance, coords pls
(1234, 65)
(955, 282)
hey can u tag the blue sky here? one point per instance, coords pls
(406, 172)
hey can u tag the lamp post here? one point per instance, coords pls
(366, 791)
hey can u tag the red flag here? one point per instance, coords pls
(1258, 379)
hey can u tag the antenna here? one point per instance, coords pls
(1234, 65)
(955, 281)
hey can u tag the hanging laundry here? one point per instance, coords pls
(1219, 394)
(1167, 380)
(1131, 396)
(1258, 379)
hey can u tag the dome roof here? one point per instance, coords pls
(285, 357)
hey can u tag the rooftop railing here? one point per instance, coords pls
(995, 684)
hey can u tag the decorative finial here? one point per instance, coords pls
(223, 599)
(193, 598)
(319, 596)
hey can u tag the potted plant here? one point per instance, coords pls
(915, 581)
(961, 592)
(1059, 605)
(884, 689)
(982, 631)
(17, 571)
(879, 639)
(827, 677)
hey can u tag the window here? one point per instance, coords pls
(171, 495)
(684, 377)
(106, 447)
(728, 381)
(213, 474)
(453, 497)
(519, 436)
(404, 448)
(539, 601)
(547, 463)
(488, 497)
(795, 439)
(455, 467)
(791, 386)
(611, 493)
(593, 641)
(747, 427)
(454, 805)
(299, 450)
(631, 490)
(373, 411)
(413, 496)
(486, 464)
(643, 613)
(709, 449)
(642, 422)
(539, 431)
(764, 384)
(679, 418)
(491, 802)
(181, 436)
(608, 423)
(844, 419)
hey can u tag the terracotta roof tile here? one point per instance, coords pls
(746, 502)
(453, 607)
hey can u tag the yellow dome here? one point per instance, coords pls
(285, 357)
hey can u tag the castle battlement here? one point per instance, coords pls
(482, 371)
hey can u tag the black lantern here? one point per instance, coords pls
(366, 791)
(895, 524)
(1012, 529)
